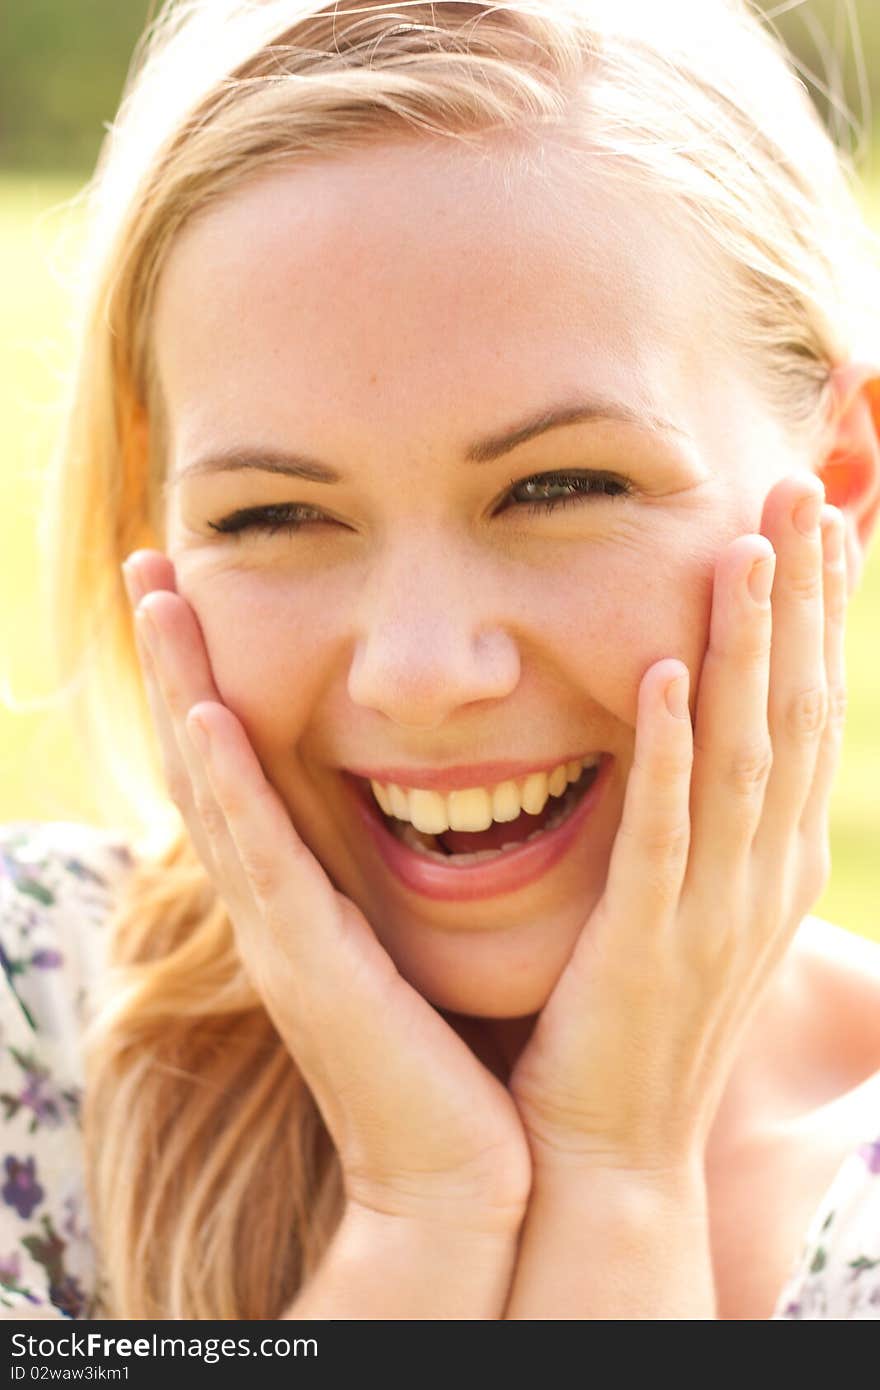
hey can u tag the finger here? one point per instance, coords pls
(238, 822)
(147, 572)
(271, 852)
(732, 751)
(161, 718)
(310, 949)
(650, 850)
(180, 676)
(798, 697)
(232, 811)
(815, 816)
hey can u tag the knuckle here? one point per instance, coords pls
(661, 852)
(179, 788)
(262, 872)
(664, 765)
(806, 583)
(837, 706)
(662, 842)
(171, 695)
(806, 713)
(753, 642)
(660, 878)
(836, 604)
(714, 949)
(668, 770)
(232, 802)
(212, 819)
(748, 769)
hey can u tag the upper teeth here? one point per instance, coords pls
(475, 808)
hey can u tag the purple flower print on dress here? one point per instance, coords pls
(10, 1280)
(48, 1104)
(871, 1154)
(73, 1224)
(47, 959)
(65, 1290)
(21, 1189)
(40, 1096)
(69, 1296)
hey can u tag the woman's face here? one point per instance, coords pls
(380, 314)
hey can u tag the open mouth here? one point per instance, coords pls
(466, 869)
(461, 847)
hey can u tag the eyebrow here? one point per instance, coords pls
(485, 450)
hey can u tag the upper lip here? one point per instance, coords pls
(450, 779)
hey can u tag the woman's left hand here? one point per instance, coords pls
(721, 850)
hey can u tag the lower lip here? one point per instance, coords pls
(517, 868)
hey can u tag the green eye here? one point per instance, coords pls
(576, 487)
(291, 517)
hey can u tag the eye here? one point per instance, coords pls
(576, 488)
(293, 516)
(283, 516)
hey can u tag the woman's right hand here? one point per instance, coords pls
(422, 1129)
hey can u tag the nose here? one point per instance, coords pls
(432, 638)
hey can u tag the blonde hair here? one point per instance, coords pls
(213, 1184)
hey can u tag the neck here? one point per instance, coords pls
(496, 1042)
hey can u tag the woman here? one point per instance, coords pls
(481, 405)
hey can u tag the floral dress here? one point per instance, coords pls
(57, 882)
(57, 886)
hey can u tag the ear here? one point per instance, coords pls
(849, 464)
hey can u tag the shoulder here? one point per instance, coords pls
(37, 857)
(837, 1275)
(46, 866)
(58, 884)
(839, 981)
(801, 1172)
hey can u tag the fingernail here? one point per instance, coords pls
(832, 535)
(147, 629)
(129, 576)
(198, 732)
(807, 513)
(761, 579)
(677, 697)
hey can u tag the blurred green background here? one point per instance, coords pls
(62, 69)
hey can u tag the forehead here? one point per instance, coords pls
(406, 280)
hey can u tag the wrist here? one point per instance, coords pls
(386, 1266)
(429, 1212)
(611, 1242)
(436, 1229)
(569, 1179)
(627, 1203)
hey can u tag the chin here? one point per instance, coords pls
(482, 983)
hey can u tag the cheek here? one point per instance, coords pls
(613, 614)
(267, 653)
